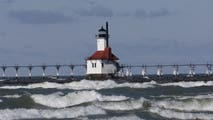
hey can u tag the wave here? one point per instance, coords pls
(181, 103)
(186, 105)
(207, 96)
(0, 100)
(59, 100)
(204, 96)
(2, 79)
(122, 105)
(189, 84)
(126, 117)
(107, 84)
(33, 86)
(84, 84)
(73, 112)
(12, 96)
(172, 114)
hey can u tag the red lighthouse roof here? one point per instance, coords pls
(103, 55)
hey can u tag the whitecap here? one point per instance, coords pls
(11, 96)
(207, 96)
(189, 84)
(122, 105)
(33, 86)
(59, 100)
(74, 112)
(186, 105)
(172, 114)
(0, 100)
(204, 96)
(199, 103)
(126, 117)
(84, 84)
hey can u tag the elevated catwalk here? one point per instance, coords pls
(125, 73)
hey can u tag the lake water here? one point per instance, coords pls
(108, 100)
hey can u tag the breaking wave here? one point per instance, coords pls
(187, 105)
(84, 84)
(127, 117)
(172, 114)
(204, 96)
(184, 107)
(73, 112)
(11, 96)
(189, 84)
(107, 84)
(59, 100)
(122, 105)
(179, 107)
(0, 100)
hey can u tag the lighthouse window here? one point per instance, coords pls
(93, 65)
(102, 64)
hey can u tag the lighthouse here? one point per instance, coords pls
(102, 64)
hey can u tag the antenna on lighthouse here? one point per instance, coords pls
(107, 36)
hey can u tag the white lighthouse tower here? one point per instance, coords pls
(102, 64)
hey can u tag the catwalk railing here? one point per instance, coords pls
(125, 70)
(43, 68)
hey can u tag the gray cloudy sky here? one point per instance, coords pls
(142, 31)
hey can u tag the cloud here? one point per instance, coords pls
(39, 17)
(5, 51)
(2, 34)
(23, 53)
(96, 11)
(152, 14)
(90, 2)
(7, 1)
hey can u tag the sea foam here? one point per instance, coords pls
(189, 84)
(123, 117)
(74, 112)
(59, 100)
(202, 96)
(172, 114)
(84, 84)
(107, 84)
(186, 105)
(12, 96)
(126, 117)
(122, 105)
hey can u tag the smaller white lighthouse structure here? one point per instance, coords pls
(103, 64)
